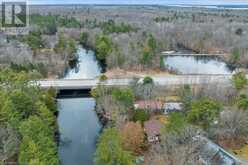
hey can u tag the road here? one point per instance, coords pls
(163, 81)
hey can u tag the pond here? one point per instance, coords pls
(79, 126)
(197, 65)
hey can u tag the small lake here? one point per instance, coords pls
(197, 65)
(79, 126)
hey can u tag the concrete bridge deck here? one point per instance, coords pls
(63, 84)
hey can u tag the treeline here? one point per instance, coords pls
(27, 120)
(39, 68)
(48, 24)
(114, 55)
(172, 17)
(112, 27)
(66, 46)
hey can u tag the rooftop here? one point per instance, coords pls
(149, 104)
(153, 127)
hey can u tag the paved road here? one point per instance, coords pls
(164, 81)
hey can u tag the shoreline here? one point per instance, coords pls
(121, 73)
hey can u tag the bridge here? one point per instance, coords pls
(72, 84)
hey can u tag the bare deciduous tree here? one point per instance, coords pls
(177, 148)
(9, 143)
(232, 127)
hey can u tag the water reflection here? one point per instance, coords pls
(79, 128)
(197, 65)
(87, 66)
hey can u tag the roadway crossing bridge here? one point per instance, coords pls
(72, 84)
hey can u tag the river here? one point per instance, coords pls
(78, 123)
(87, 66)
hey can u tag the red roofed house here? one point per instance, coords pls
(153, 129)
(151, 105)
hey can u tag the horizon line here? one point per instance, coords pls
(130, 4)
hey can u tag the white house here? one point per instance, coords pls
(172, 107)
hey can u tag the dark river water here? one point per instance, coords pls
(197, 65)
(78, 123)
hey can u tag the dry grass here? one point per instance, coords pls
(121, 73)
(242, 153)
(172, 98)
(161, 118)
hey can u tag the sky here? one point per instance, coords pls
(162, 2)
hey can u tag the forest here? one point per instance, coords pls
(124, 38)
(27, 119)
(137, 127)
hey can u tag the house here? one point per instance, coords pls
(152, 129)
(172, 107)
(150, 105)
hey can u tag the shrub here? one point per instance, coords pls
(242, 102)
(93, 92)
(239, 80)
(204, 111)
(176, 122)
(103, 77)
(147, 80)
(109, 149)
(125, 96)
(133, 137)
(140, 115)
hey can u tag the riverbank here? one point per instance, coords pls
(121, 73)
